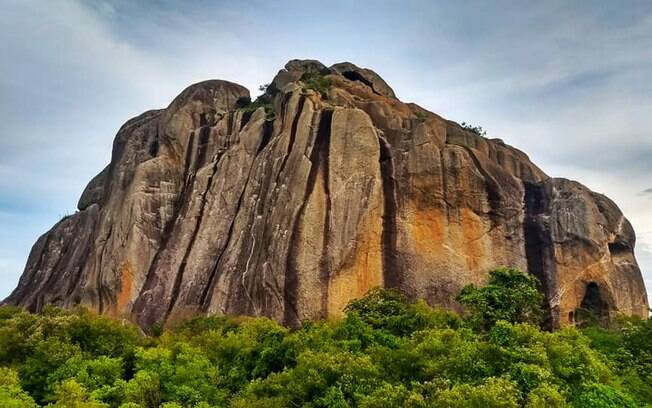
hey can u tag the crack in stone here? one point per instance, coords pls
(392, 275)
(321, 142)
(182, 266)
(207, 294)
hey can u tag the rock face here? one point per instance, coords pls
(207, 208)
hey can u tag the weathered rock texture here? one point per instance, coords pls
(207, 208)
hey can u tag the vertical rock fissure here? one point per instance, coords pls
(244, 119)
(538, 243)
(321, 143)
(271, 203)
(293, 131)
(268, 129)
(293, 135)
(229, 125)
(169, 227)
(212, 280)
(444, 183)
(323, 148)
(274, 196)
(202, 142)
(284, 107)
(200, 216)
(391, 271)
(493, 189)
(186, 172)
(98, 279)
(155, 144)
(74, 284)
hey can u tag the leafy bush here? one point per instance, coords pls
(317, 82)
(478, 130)
(420, 115)
(389, 310)
(263, 101)
(242, 102)
(11, 393)
(269, 89)
(509, 295)
(387, 351)
(602, 396)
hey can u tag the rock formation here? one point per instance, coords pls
(295, 208)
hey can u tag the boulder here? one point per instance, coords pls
(207, 207)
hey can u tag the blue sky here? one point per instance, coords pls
(567, 82)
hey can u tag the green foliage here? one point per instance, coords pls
(602, 396)
(156, 329)
(70, 394)
(55, 345)
(509, 295)
(629, 350)
(390, 311)
(478, 130)
(387, 351)
(93, 374)
(269, 89)
(179, 373)
(493, 393)
(11, 394)
(242, 102)
(545, 396)
(317, 82)
(264, 101)
(420, 115)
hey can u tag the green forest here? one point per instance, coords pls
(386, 351)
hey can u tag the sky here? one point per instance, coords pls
(570, 83)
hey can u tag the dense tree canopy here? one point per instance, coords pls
(385, 352)
(509, 295)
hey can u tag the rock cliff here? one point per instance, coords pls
(325, 187)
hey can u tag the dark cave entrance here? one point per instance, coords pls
(355, 76)
(594, 309)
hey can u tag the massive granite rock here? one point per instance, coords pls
(291, 211)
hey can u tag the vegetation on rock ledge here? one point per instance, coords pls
(385, 352)
(264, 101)
(478, 130)
(317, 82)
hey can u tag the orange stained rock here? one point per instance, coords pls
(126, 285)
(364, 273)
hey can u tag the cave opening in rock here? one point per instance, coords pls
(616, 248)
(154, 148)
(355, 76)
(594, 308)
